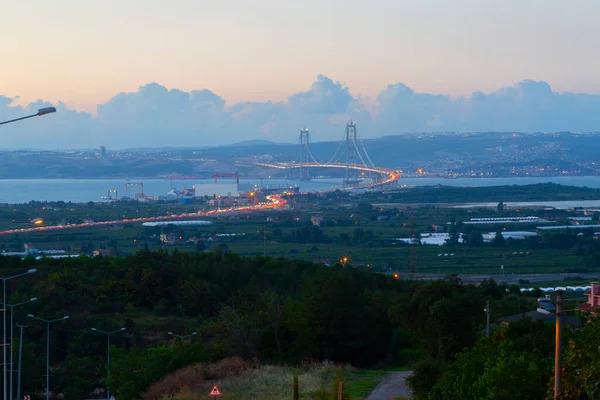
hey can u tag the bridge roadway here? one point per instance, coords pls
(273, 201)
(389, 176)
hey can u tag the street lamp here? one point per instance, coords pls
(41, 111)
(108, 356)
(12, 306)
(48, 322)
(31, 271)
(183, 337)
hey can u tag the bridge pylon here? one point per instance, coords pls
(351, 177)
(304, 154)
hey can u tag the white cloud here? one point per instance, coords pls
(157, 116)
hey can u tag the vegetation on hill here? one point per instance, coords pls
(274, 311)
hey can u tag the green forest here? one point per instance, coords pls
(274, 311)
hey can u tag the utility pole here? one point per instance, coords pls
(488, 314)
(558, 345)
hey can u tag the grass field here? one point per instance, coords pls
(270, 382)
(381, 253)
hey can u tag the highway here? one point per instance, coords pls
(273, 201)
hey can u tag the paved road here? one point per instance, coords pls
(392, 387)
(508, 278)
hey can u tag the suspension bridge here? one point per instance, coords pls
(351, 155)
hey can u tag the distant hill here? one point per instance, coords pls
(253, 142)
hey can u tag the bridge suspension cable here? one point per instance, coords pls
(366, 154)
(337, 154)
(309, 152)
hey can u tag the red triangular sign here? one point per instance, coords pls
(215, 391)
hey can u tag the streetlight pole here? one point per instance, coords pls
(41, 111)
(48, 322)
(12, 306)
(183, 337)
(31, 271)
(108, 356)
(20, 360)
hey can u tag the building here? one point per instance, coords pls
(31, 248)
(222, 202)
(535, 315)
(506, 220)
(519, 235)
(102, 252)
(168, 238)
(593, 302)
(430, 239)
(317, 220)
(243, 201)
(102, 152)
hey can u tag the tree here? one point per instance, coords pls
(581, 362)
(435, 311)
(515, 364)
(426, 373)
(361, 236)
(475, 238)
(494, 371)
(365, 208)
(453, 237)
(492, 289)
(499, 240)
(500, 208)
(277, 233)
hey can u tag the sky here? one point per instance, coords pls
(263, 69)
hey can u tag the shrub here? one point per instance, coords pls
(190, 378)
(227, 367)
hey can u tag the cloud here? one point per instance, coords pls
(324, 97)
(156, 116)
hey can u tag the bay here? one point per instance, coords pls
(84, 190)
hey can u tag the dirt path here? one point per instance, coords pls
(391, 387)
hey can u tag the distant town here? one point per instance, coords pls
(443, 154)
